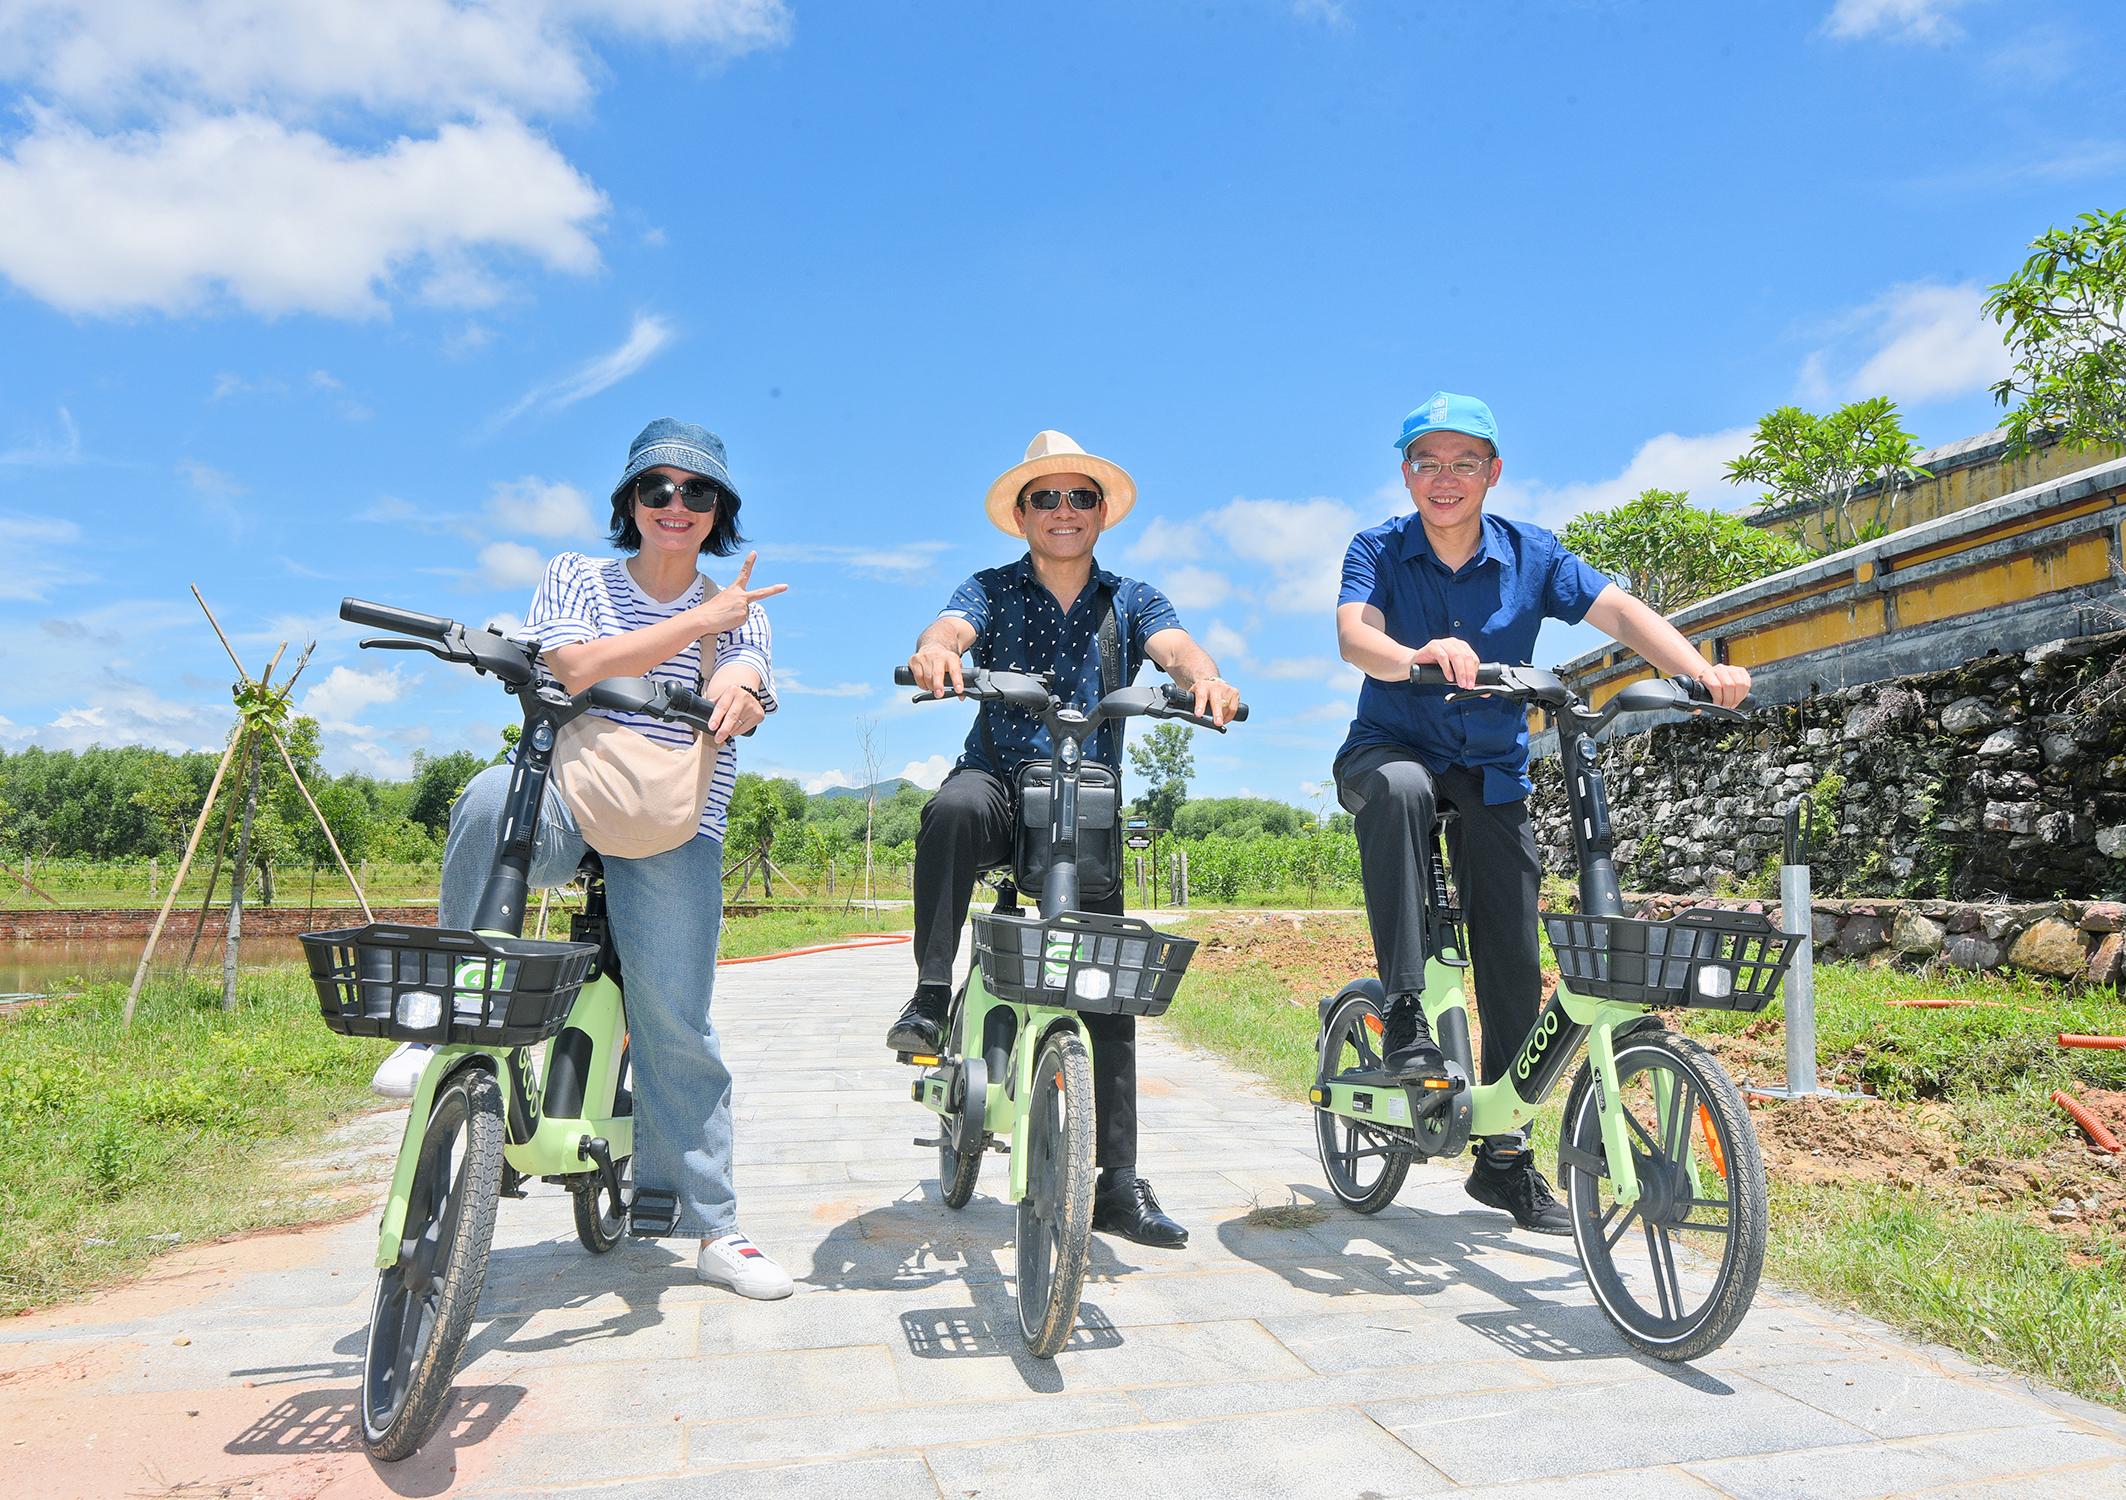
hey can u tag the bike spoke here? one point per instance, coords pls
(1683, 1109)
(1610, 1238)
(1697, 1227)
(1663, 1256)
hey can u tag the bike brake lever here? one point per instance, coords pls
(400, 643)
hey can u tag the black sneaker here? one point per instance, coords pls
(921, 1027)
(1407, 1048)
(1518, 1188)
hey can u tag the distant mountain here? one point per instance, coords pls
(885, 789)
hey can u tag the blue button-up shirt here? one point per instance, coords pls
(1019, 627)
(1495, 602)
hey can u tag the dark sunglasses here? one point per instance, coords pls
(655, 492)
(1050, 499)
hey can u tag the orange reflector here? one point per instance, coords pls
(1373, 1025)
(1712, 1142)
(1439, 1083)
(1059, 1080)
(923, 1060)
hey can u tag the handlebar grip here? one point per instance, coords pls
(687, 701)
(902, 677)
(386, 617)
(1487, 675)
(1695, 690)
(1240, 714)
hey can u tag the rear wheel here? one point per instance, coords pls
(1675, 1271)
(1365, 1163)
(1056, 1215)
(424, 1302)
(962, 1140)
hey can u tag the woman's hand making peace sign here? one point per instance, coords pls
(726, 610)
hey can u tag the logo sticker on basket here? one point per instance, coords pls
(1056, 953)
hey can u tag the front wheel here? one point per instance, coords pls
(424, 1302)
(1365, 1163)
(1675, 1271)
(1056, 1215)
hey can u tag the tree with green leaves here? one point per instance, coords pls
(1237, 818)
(761, 807)
(1822, 463)
(1672, 553)
(2063, 317)
(1166, 758)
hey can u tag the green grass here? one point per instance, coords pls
(1984, 1279)
(186, 1124)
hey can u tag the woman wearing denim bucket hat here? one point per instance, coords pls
(650, 613)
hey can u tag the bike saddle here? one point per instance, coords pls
(591, 866)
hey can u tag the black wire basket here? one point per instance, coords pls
(444, 986)
(1081, 961)
(1702, 958)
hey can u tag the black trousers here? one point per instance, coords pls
(1395, 799)
(967, 829)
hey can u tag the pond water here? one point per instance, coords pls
(65, 965)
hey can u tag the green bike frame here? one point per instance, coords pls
(1003, 1111)
(536, 1143)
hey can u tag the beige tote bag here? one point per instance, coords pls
(632, 797)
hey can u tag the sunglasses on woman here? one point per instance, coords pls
(1050, 499)
(655, 492)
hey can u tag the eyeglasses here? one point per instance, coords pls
(655, 492)
(1462, 468)
(1050, 499)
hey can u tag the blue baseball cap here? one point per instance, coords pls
(678, 445)
(1444, 411)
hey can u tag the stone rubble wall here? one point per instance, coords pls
(2079, 941)
(1999, 781)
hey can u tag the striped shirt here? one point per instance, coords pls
(587, 599)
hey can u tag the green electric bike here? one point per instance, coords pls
(1016, 1064)
(1655, 1137)
(482, 1122)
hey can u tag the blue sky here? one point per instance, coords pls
(368, 296)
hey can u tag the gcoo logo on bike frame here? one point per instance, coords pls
(1533, 1053)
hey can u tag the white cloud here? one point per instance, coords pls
(1301, 542)
(646, 338)
(242, 208)
(346, 691)
(1191, 587)
(141, 718)
(1324, 713)
(900, 562)
(927, 774)
(789, 683)
(209, 481)
(1303, 669)
(1226, 645)
(38, 550)
(1164, 539)
(428, 58)
(1900, 20)
(825, 781)
(507, 565)
(1915, 343)
(47, 451)
(1696, 465)
(542, 507)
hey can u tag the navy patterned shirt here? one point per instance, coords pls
(1019, 627)
(1494, 601)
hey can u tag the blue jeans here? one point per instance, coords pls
(665, 912)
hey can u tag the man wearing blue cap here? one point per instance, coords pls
(1449, 586)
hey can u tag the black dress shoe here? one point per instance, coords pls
(1518, 1188)
(1129, 1209)
(921, 1027)
(1407, 1049)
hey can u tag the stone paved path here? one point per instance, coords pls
(1422, 1351)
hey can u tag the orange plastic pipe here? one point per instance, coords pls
(868, 942)
(2092, 1127)
(2069, 1039)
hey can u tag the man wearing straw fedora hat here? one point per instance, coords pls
(1054, 610)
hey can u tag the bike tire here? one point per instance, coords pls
(962, 1142)
(1672, 1172)
(1344, 1145)
(601, 1220)
(1056, 1215)
(424, 1301)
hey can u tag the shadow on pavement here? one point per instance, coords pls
(324, 1421)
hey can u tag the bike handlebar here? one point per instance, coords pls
(983, 685)
(1533, 685)
(388, 617)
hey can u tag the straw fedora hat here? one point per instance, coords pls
(1057, 453)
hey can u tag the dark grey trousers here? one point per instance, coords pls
(967, 829)
(1395, 799)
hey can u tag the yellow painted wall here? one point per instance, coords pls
(1960, 489)
(2008, 581)
(1826, 627)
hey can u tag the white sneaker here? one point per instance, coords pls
(736, 1262)
(398, 1074)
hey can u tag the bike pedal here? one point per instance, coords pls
(654, 1214)
(926, 1141)
(918, 1059)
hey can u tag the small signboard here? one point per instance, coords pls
(1135, 824)
(1139, 840)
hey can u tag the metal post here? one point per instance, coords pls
(1797, 916)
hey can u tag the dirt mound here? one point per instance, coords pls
(1851, 1140)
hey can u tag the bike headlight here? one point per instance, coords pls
(420, 1010)
(1092, 984)
(1713, 983)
